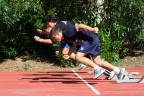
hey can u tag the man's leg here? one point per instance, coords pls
(80, 57)
(118, 71)
(106, 72)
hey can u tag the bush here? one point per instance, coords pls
(19, 20)
(110, 49)
(120, 23)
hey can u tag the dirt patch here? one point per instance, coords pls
(27, 65)
(21, 64)
(135, 59)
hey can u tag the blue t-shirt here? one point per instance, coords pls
(89, 41)
(67, 28)
(71, 35)
(64, 44)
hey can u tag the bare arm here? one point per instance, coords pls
(46, 41)
(85, 27)
(68, 53)
(42, 32)
(58, 51)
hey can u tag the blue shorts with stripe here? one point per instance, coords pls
(92, 48)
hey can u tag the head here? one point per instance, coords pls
(46, 30)
(56, 34)
(50, 21)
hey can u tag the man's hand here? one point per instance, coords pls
(37, 38)
(96, 30)
(40, 31)
(66, 56)
(57, 52)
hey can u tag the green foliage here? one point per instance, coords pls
(109, 49)
(9, 52)
(18, 21)
(61, 61)
(121, 25)
(66, 63)
(124, 20)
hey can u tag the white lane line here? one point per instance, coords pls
(91, 87)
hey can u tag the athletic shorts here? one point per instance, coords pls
(92, 48)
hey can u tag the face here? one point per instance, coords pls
(51, 24)
(47, 30)
(57, 37)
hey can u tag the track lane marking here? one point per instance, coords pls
(91, 87)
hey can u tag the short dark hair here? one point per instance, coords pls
(49, 18)
(55, 30)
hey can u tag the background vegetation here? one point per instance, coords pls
(121, 24)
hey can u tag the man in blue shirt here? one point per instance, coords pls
(90, 44)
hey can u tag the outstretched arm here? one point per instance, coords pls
(85, 27)
(46, 41)
(68, 53)
(42, 32)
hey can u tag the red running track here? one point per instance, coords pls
(65, 83)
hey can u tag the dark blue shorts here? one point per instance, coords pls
(90, 47)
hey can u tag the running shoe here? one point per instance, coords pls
(111, 76)
(120, 75)
(81, 66)
(106, 73)
(98, 72)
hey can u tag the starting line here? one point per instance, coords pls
(91, 87)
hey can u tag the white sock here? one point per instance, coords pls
(116, 70)
(97, 67)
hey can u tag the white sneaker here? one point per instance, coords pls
(81, 66)
(98, 72)
(121, 74)
(112, 74)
